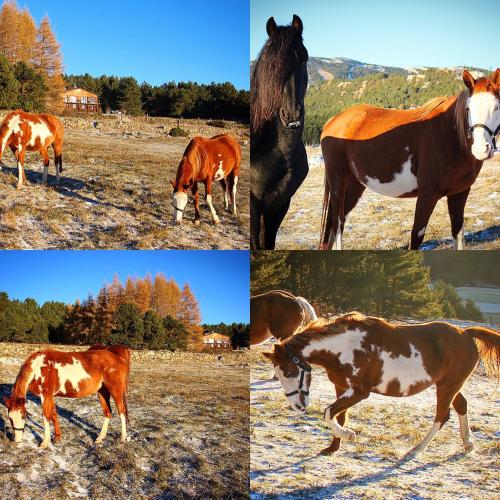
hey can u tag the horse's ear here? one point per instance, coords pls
(468, 80)
(297, 24)
(271, 27)
(496, 77)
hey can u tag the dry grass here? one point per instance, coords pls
(189, 420)
(379, 222)
(285, 463)
(115, 191)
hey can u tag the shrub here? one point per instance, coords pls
(178, 132)
(217, 123)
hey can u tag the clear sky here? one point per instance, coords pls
(153, 40)
(219, 279)
(390, 32)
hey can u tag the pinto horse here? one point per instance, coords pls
(429, 152)
(277, 153)
(31, 132)
(278, 314)
(362, 355)
(206, 160)
(52, 373)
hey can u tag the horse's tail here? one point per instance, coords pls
(308, 311)
(488, 344)
(325, 218)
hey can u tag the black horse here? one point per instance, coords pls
(277, 153)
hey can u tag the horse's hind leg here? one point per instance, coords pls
(224, 185)
(55, 423)
(118, 395)
(196, 200)
(104, 399)
(57, 146)
(45, 157)
(233, 181)
(460, 405)
(456, 206)
(20, 167)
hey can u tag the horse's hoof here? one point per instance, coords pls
(19, 187)
(57, 438)
(349, 435)
(469, 447)
(216, 221)
(43, 445)
(196, 222)
(177, 222)
(329, 450)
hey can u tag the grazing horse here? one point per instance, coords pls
(278, 156)
(429, 152)
(31, 132)
(278, 314)
(52, 373)
(205, 160)
(362, 355)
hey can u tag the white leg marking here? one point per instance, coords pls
(124, 427)
(421, 232)
(19, 175)
(337, 429)
(46, 438)
(212, 209)
(337, 245)
(427, 439)
(104, 430)
(465, 433)
(459, 241)
(235, 212)
(226, 198)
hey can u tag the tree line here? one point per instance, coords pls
(31, 62)
(183, 99)
(387, 284)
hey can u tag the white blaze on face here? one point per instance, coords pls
(292, 384)
(39, 130)
(74, 373)
(483, 109)
(180, 202)
(18, 422)
(408, 371)
(403, 182)
(219, 174)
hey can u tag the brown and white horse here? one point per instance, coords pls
(206, 160)
(429, 152)
(362, 355)
(52, 373)
(23, 132)
(278, 314)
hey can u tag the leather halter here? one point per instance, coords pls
(490, 132)
(303, 367)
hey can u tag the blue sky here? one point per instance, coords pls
(394, 33)
(153, 40)
(219, 279)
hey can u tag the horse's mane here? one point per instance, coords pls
(280, 55)
(192, 155)
(23, 378)
(460, 117)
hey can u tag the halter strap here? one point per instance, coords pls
(303, 367)
(491, 133)
(17, 429)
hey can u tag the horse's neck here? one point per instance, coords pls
(22, 382)
(274, 137)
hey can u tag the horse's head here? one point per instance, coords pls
(181, 185)
(483, 111)
(294, 373)
(279, 80)
(16, 408)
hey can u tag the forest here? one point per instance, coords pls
(143, 313)
(387, 284)
(32, 78)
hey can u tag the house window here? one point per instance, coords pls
(72, 99)
(92, 100)
(83, 100)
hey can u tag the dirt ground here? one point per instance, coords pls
(381, 223)
(285, 461)
(189, 433)
(115, 190)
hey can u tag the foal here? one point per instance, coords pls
(362, 355)
(52, 373)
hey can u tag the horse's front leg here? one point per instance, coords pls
(341, 420)
(20, 152)
(456, 207)
(196, 199)
(426, 203)
(48, 407)
(208, 195)
(45, 158)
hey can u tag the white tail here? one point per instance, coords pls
(308, 311)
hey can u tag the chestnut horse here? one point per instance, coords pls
(278, 314)
(206, 160)
(362, 355)
(52, 373)
(31, 132)
(429, 152)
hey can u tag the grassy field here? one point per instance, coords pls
(381, 223)
(115, 191)
(285, 461)
(189, 418)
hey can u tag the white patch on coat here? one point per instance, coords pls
(36, 368)
(421, 232)
(459, 241)
(13, 127)
(342, 345)
(483, 109)
(338, 237)
(39, 130)
(403, 182)
(219, 174)
(180, 202)
(408, 371)
(73, 372)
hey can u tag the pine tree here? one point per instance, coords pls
(268, 270)
(129, 96)
(128, 326)
(32, 91)
(9, 86)
(154, 331)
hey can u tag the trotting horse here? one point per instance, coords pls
(278, 314)
(277, 154)
(72, 375)
(23, 132)
(206, 160)
(362, 355)
(429, 152)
